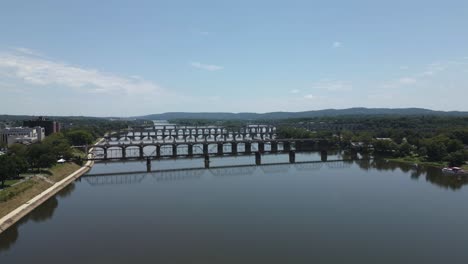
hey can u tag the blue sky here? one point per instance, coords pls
(125, 58)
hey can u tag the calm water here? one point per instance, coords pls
(354, 212)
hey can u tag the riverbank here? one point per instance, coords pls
(14, 196)
(414, 160)
(33, 192)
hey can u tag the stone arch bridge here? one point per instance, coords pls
(192, 133)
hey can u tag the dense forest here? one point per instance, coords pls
(416, 138)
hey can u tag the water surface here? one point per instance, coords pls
(348, 212)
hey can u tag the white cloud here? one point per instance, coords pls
(332, 85)
(27, 51)
(25, 66)
(208, 67)
(295, 91)
(337, 44)
(407, 80)
(404, 67)
(310, 96)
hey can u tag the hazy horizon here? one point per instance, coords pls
(90, 58)
(235, 113)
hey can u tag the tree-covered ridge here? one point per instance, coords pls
(356, 111)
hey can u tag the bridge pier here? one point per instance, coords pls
(286, 146)
(124, 153)
(158, 151)
(220, 149)
(205, 149)
(248, 148)
(258, 158)
(207, 161)
(274, 147)
(323, 155)
(148, 164)
(190, 150)
(261, 147)
(174, 150)
(234, 148)
(141, 152)
(292, 157)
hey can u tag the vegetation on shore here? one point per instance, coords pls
(14, 196)
(26, 171)
(432, 142)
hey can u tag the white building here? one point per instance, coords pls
(23, 135)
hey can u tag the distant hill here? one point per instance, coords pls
(358, 111)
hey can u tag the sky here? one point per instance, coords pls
(128, 58)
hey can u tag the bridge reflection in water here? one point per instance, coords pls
(220, 171)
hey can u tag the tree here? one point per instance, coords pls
(6, 169)
(11, 166)
(79, 137)
(436, 151)
(454, 145)
(457, 158)
(47, 160)
(405, 149)
(385, 146)
(17, 150)
(34, 154)
(58, 145)
(20, 164)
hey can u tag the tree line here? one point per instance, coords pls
(442, 144)
(84, 131)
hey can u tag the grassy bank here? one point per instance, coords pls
(417, 160)
(13, 197)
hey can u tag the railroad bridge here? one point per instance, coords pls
(157, 142)
(156, 149)
(191, 133)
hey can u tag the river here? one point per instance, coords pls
(337, 212)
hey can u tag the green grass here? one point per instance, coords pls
(17, 195)
(419, 161)
(10, 192)
(60, 171)
(11, 182)
(14, 196)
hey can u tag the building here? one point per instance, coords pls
(50, 126)
(22, 135)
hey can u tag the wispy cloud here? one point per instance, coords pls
(337, 44)
(407, 80)
(429, 71)
(332, 85)
(295, 91)
(27, 51)
(207, 67)
(310, 96)
(23, 64)
(404, 67)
